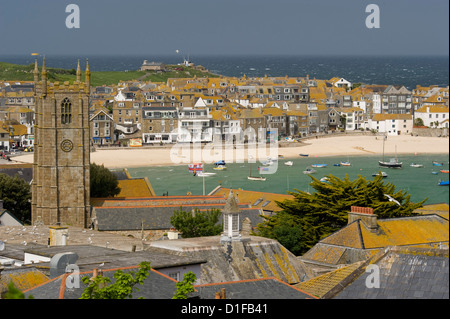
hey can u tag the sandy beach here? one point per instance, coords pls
(321, 147)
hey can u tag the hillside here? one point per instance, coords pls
(15, 72)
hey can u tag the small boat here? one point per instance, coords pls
(324, 179)
(304, 155)
(267, 163)
(345, 163)
(256, 178)
(337, 164)
(416, 165)
(383, 174)
(220, 168)
(319, 165)
(437, 163)
(443, 183)
(309, 170)
(434, 172)
(444, 171)
(289, 163)
(204, 174)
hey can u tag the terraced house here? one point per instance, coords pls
(159, 124)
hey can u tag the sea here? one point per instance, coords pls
(409, 71)
(421, 183)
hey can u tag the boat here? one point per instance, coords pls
(443, 183)
(416, 165)
(195, 167)
(324, 179)
(267, 163)
(309, 170)
(393, 162)
(444, 171)
(345, 163)
(337, 164)
(437, 163)
(319, 165)
(255, 178)
(220, 165)
(383, 174)
(304, 155)
(434, 172)
(289, 163)
(204, 174)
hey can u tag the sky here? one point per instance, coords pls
(225, 27)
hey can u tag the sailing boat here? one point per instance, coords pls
(255, 178)
(393, 162)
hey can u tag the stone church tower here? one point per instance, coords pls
(60, 187)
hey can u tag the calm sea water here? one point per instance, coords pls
(407, 71)
(419, 182)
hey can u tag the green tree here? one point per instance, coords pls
(185, 286)
(103, 183)
(14, 293)
(16, 195)
(197, 223)
(418, 122)
(325, 211)
(102, 288)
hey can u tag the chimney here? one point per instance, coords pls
(366, 215)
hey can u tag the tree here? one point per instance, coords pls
(15, 293)
(102, 288)
(103, 183)
(185, 286)
(324, 212)
(418, 122)
(197, 223)
(16, 195)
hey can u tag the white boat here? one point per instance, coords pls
(380, 173)
(205, 174)
(309, 170)
(416, 165)
(324, 179)
(345, 163)
(256, 178)
(289, 163)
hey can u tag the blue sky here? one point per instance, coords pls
(225, 27)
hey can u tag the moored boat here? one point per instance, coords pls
(444, 171)
(345, 163)
(383, 174)
(443, 183)
(304, 155)
(309, 170)
(437, 163)
(289, 163)
(319, 165)
(416, 165)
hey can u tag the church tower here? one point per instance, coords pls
(60, 187)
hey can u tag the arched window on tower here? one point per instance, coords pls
(66, 111)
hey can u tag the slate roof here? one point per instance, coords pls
(155, 217)
(155, 286)
(89, 257)
(405, 274)
(355, 242)
(266, 288)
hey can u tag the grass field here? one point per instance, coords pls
(15, 72)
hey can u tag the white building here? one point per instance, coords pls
(433, 116)
(391, 124)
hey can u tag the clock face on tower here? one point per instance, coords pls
(66, 145)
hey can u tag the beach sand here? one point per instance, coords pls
(321, 147)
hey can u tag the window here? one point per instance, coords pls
(175, 275)
(66, 111)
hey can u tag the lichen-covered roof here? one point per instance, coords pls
(321, 285)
